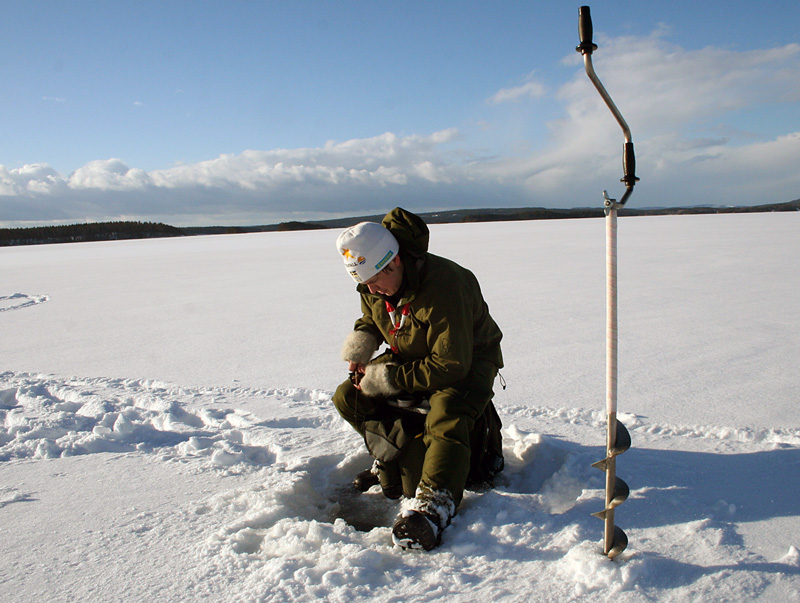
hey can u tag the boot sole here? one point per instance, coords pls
(415, 532)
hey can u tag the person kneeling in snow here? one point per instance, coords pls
(425, 406)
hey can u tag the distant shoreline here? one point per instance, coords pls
(109, 231)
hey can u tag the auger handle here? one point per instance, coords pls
(586, 47)
(585, 31)
(629, 165)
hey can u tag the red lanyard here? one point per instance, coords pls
(396, 325)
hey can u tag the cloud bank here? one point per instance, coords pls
(694, 115)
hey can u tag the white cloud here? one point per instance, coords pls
(31, 179)
(672, 99)
(108, 175)
(530, 89)
(660, 87)
(379, 161)
(358, 173)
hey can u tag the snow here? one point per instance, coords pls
(167, 432)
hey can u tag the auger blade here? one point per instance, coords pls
(623, 440)
(621, 493)
(621, 444)
(619, 544)
(619, 496)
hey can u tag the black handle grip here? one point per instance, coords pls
(585, 31)
(629, 165)
(585, 24)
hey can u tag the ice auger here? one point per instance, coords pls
(618, 439)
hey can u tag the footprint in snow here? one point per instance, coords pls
(17, 301)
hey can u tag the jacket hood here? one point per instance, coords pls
(410, 231)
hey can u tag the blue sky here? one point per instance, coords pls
(255, 112)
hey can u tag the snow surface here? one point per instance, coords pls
(168, 433)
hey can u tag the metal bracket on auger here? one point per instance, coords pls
(618, 439)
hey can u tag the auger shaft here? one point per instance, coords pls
(612, 334)
(608, 518)
(611, 373)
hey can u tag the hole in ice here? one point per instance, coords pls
(363, 511)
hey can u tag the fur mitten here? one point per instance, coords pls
(359, 346)
(377, 381)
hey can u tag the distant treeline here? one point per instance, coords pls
(144, 230)
(282, 227)
(497, 215)
(98, 231)
(540, 213)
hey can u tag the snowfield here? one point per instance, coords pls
(167, 432)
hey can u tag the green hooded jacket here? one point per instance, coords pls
(448, 326)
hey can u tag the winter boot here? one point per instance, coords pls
(390, 479)
(367, 478)
(421, 525)
(416, 530)
(379, 474)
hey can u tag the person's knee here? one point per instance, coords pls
(449, 427)
(453, 415)
(344, 399)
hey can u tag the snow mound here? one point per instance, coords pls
(44, 417)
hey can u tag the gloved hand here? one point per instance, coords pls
(358, 348)
(378, 379)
